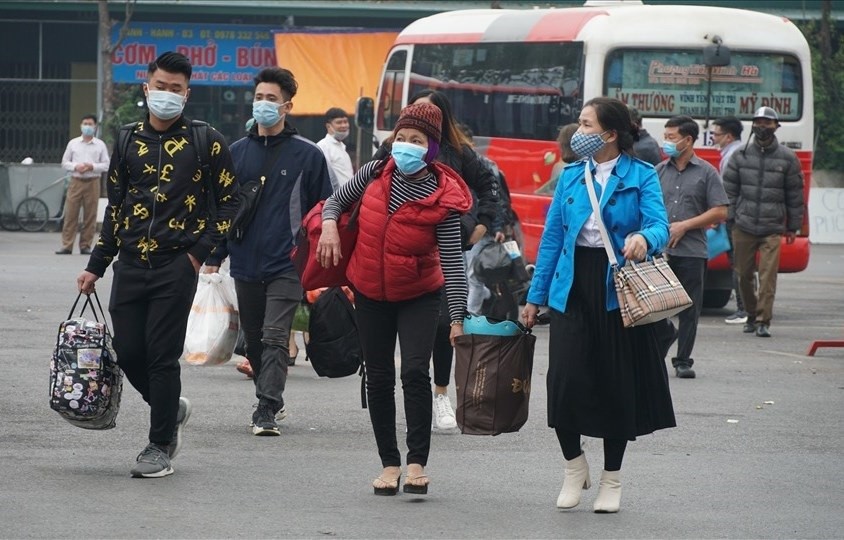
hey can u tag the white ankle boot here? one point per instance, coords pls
(609, 493)
(575, 480)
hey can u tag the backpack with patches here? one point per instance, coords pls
(334, 348)
(85, 380)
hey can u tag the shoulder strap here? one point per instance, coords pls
(598, 218)
(376, 172)
(202, 146)
(124, 141)
(199, 134)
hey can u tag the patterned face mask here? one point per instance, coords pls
(585, 145)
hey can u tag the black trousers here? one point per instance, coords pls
(149, 311)
(415, 323)
(443, 351)
(690, 272)
(266, 315)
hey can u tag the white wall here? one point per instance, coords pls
(826, 215)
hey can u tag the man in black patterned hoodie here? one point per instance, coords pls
(162, 226)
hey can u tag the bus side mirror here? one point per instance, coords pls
(365, 113)
(716, 54)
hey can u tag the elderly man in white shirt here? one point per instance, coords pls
(86, 158)
(337, 128)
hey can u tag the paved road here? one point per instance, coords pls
(776, 471)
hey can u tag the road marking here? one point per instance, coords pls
(791, 355)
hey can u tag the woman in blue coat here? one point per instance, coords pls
(604, 380)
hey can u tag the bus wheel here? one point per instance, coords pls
(716, 298)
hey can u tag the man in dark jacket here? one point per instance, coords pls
(160, 222)
(765, 186)
(295, 177)
(645, 147)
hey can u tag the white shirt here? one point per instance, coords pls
(726, 152)
(337, 157)
(590, 235)
(81, 151)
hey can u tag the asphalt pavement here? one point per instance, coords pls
(756, 454)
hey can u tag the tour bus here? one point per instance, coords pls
(516, 76)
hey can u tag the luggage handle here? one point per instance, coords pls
(93, 311)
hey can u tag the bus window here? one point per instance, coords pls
(391, 91)
(508, 90)
(668, 82)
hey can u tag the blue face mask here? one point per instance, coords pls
(88, 131)
(670, 149)
(584, 145)
(266, 113)
(409, 158)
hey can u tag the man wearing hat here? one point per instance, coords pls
(765, 186)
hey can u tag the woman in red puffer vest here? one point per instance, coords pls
(408, 247)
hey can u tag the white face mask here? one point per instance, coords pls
(340, 135)
(165, 105)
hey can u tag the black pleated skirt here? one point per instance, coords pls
(604, 380)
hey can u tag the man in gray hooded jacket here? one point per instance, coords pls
(765, 186)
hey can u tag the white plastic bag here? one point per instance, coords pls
(213, 322)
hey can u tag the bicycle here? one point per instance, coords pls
(32, 213)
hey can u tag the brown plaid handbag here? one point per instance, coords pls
(647, 291)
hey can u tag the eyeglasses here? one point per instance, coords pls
(718, 134)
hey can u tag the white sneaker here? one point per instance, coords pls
(443, 413)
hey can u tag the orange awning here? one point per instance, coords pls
(333, 69)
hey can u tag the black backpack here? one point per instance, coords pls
(334, 347)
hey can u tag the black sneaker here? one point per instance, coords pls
(263, 421)
(739, 317)
(762, 331)
(181, 421)
(152, 462)
(749, 327)
(280, 414)
(684, 372)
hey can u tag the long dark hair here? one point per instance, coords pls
(614, 115)
(452, 135)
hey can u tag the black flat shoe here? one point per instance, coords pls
(749, 328)
(392, 487)
(63, 252)
(414, 488)
(762, 331)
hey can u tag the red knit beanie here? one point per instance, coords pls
(426, 117)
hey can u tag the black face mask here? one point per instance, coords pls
(763, 133)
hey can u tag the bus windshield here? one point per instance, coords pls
(669, 82)
(508, 90)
